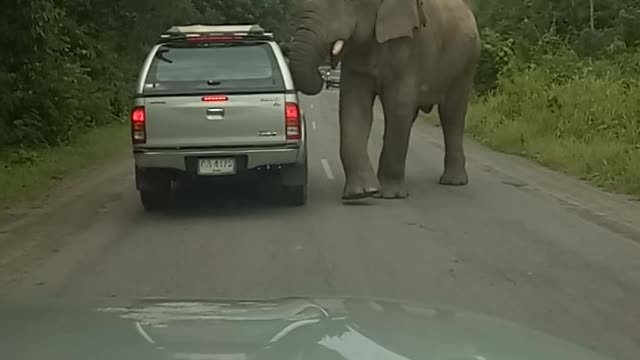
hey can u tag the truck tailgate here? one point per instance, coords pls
(214, 121)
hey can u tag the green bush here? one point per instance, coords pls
(555, 87)
(582, 118)
(497, 52)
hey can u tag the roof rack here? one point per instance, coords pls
(199, 32)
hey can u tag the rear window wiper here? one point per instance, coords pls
(160, 55)
(213, 82)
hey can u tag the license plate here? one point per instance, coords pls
(216, 166)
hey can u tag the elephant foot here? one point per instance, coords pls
(454, 177)
(360, 189)
(393, 189)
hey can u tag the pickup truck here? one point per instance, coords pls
(217, 101)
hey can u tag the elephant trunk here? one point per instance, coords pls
(305, 57)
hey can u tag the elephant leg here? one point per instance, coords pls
(356, 115)
(400, 114)
(453, 112)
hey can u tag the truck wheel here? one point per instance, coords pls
(294, 195)
(293, 185)
(155, 200)
(154, 187)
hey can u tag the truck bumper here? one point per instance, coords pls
(247, 158)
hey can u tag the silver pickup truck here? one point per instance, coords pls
(217, 101)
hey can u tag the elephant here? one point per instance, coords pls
(413, 55)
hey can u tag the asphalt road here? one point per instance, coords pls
(519, 242)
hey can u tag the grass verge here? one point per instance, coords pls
(587, 127)
(27, 176)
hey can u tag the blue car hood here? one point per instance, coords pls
(285, 329)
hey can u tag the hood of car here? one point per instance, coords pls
(292, 328)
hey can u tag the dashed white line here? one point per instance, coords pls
(327, 169)
(144, 333)
(313, 124)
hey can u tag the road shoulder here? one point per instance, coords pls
(40, 224)
(616, 212)
(32, 179)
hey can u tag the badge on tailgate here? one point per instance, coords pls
(274, 100)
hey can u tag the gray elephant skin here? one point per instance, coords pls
(413, 55)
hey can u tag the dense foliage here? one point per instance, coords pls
(556, 88)
(517, 32)
(67, 65)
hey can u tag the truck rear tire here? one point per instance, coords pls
(154, 187)
(155, 200)
(293, 183)
(294, 195)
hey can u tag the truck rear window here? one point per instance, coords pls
(214, 68)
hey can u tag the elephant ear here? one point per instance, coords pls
(396, 19)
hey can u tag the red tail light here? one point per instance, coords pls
(293, 122)
(138, 125)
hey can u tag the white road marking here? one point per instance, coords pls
(313, 124)
(144, 333)
(327, 169)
